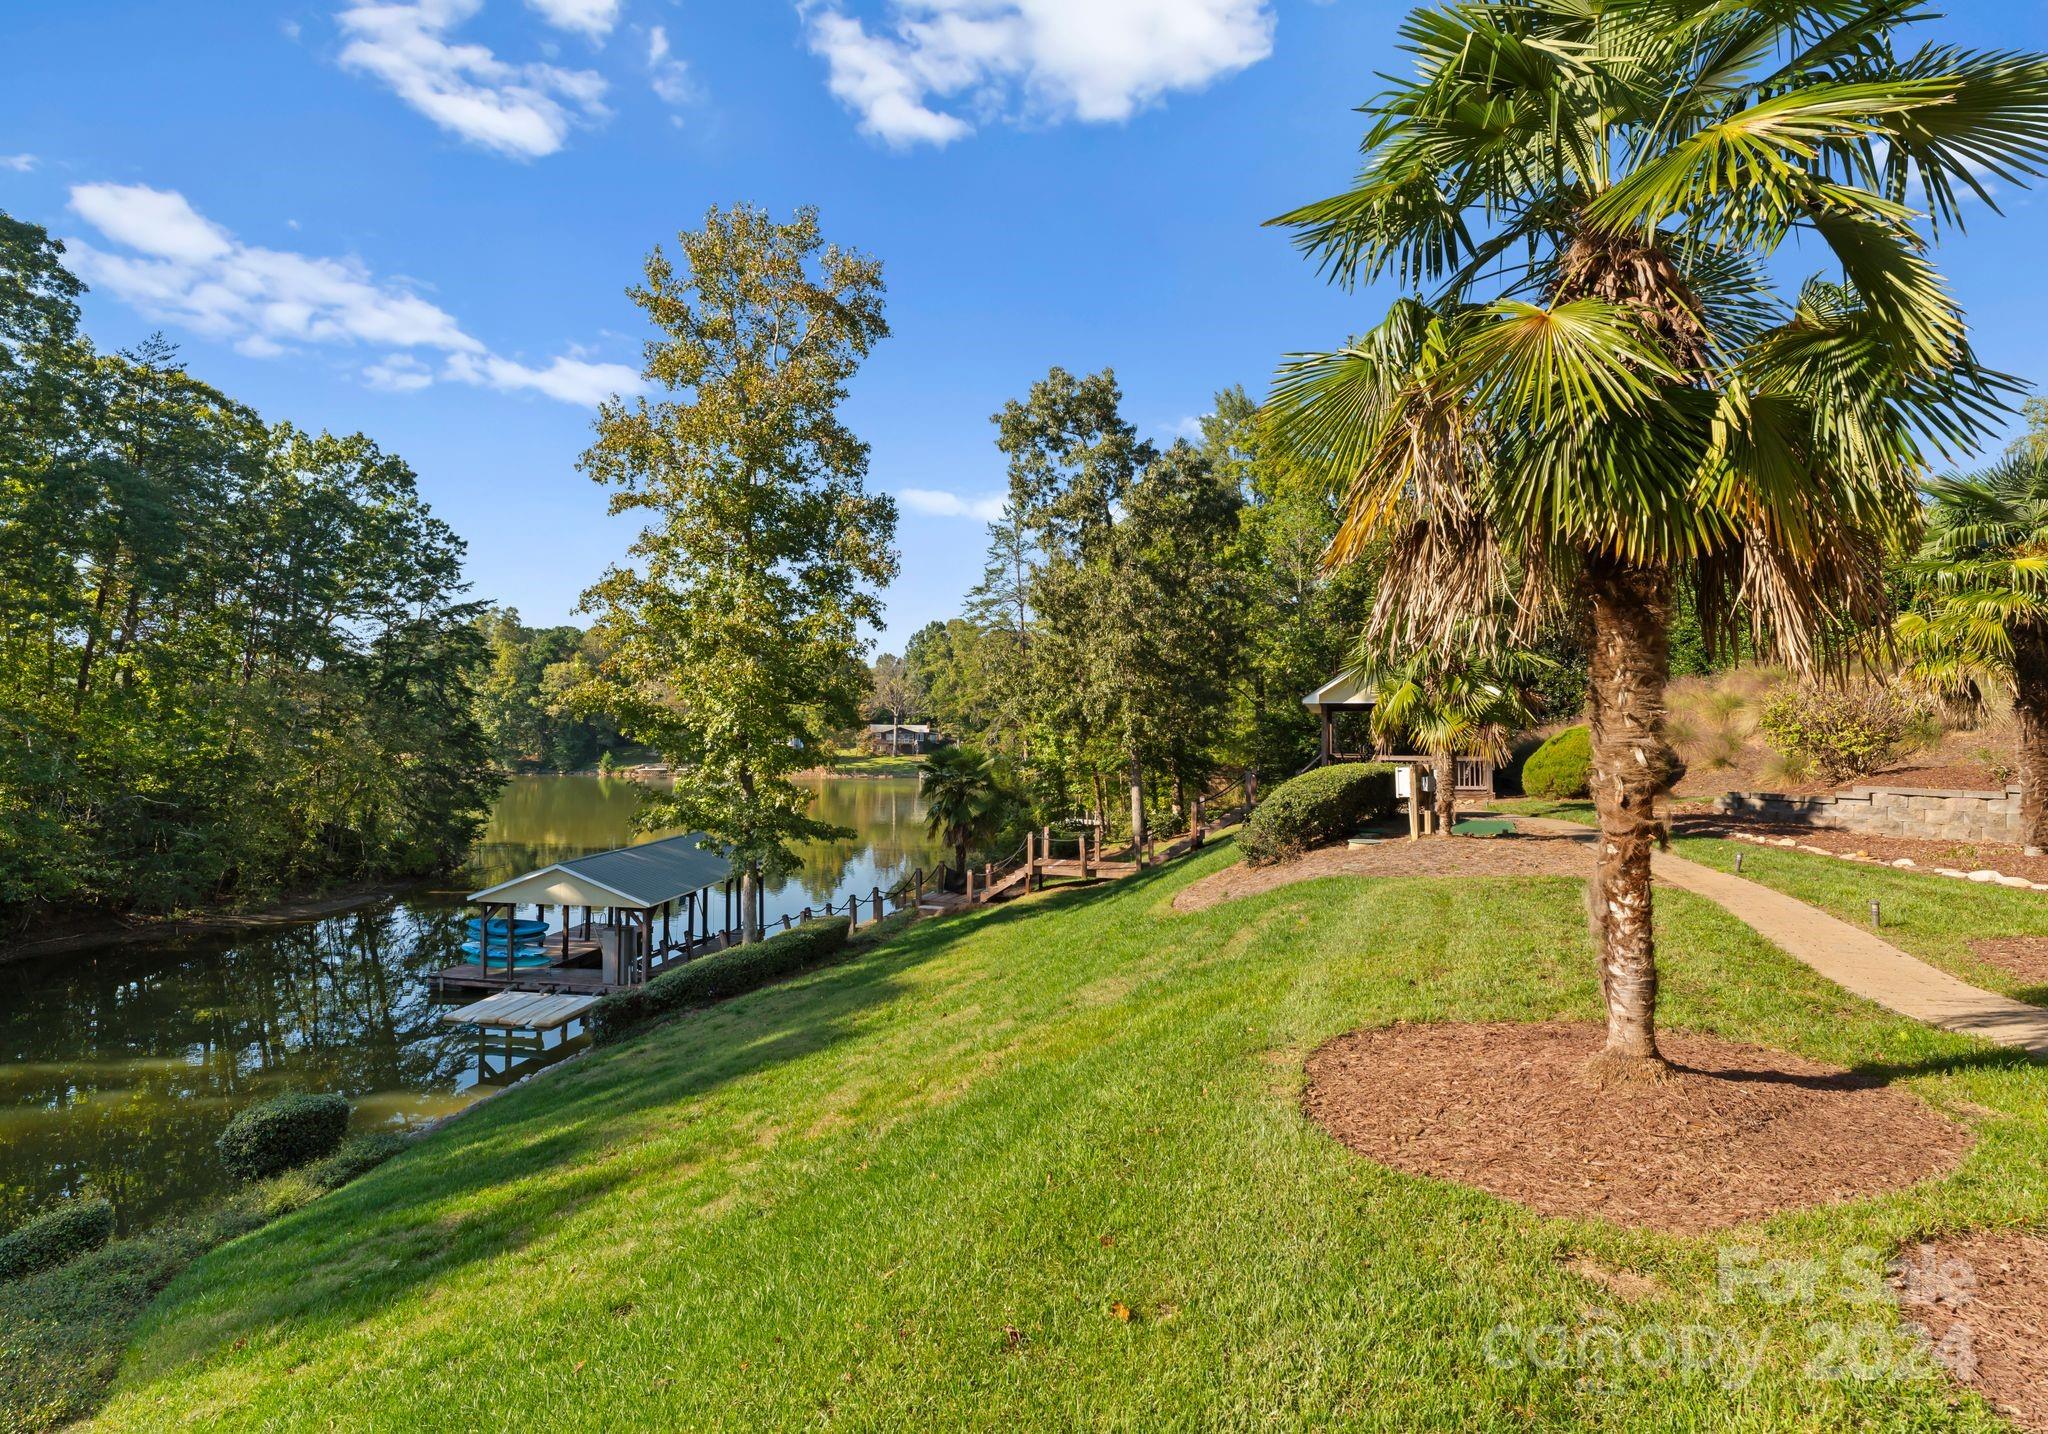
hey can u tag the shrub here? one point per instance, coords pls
(1561, 767)
(358, 1155)
(715, 978)
(287, 1130)
(1842, 732)
(55, 1237)
(1316, 807)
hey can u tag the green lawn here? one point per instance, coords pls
(1043, 1166)
(1933, 917)
(865, 764)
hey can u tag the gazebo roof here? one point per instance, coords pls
(1343, 690)
(629, 877)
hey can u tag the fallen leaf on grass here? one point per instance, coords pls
(1121, 1310)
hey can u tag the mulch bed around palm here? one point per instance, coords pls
(1983, 1300)
(1519, 854)
(1736, 1134)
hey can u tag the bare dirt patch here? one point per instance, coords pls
(1984, 1302)
(1521, 854)
(1737, 1133)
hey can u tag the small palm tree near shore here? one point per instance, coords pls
(1464, 703)
(1980, 608)
(1609, 396)
(964, 799)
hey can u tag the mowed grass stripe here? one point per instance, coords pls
(1045, 1165)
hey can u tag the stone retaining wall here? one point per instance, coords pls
(1890, 811)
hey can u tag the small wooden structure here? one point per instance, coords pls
(520, 1011)
(1345, 694)
(642, 909)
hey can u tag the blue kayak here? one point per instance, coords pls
(523, 929)
(523, 957)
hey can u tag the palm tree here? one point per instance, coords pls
(1467, 703)
(1609, 394)
(964, 799)
(1980, 609)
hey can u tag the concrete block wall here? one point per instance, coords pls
(1890, 811)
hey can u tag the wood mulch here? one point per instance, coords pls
(1736, 1134)
(1983, 1300)
(1521, 854)
(2025, 957)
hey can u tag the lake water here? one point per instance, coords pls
(120, 1066)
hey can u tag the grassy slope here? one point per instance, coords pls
(1932, 917)
(919, 1187)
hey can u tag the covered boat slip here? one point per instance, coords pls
(621, 916)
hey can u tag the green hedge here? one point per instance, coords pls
(1314, 808)
(55, 1237)
(288, 1130)
(714, 978)
(1561, 767)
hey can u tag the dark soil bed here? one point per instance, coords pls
(1984, 1302)
(1737, 1133)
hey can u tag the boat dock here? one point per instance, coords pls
(521, 1011)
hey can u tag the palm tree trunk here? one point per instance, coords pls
(2030, 715)
(1443, 771)
(1633, 766)
(960, 860)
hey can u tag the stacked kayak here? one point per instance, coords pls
(524, 958)
(497, 926)
(487, 942)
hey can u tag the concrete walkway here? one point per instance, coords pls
(1851, 957)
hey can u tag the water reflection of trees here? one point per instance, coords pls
(120, 1070)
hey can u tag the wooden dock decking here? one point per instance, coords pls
(521, 1011)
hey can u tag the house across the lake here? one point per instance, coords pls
(1345, 709)
(902, 739)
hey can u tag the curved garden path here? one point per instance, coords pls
(1847, 955)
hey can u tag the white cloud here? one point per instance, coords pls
(399, 373)
(185, 269)
(594, 18)
(940, 504)
(158, 222)
(570, 380)
(19, 163)
(520, 110)
(669, 76)
(1093, 60)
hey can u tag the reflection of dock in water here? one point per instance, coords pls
(504, 1055)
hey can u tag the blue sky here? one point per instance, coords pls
(418, 218)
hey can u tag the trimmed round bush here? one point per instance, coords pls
(56, 1237)
(285, 1131)
(1561, 767)
(1316, 807)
